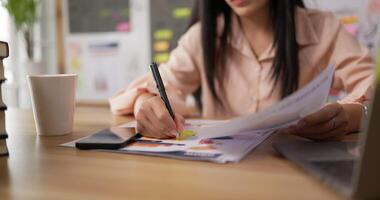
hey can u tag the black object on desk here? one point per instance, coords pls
(110, 138)
(161, 88)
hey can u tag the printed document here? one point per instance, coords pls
(289, 111)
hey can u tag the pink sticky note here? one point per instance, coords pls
(123, 27)
(353, 29)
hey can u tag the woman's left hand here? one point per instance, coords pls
(329, 123)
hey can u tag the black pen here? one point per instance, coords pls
(161, 89)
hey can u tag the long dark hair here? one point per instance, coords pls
(285, 65)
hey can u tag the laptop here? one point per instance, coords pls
(352, 168)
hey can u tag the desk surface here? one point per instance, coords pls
(39, 169)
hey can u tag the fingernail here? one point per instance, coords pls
(174, 133)
(180, 127)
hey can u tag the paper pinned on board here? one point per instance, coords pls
(289, 111)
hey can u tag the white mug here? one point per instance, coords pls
(53, 103)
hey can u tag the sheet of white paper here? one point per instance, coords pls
(288, 111)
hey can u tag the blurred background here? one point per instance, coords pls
(110, 42)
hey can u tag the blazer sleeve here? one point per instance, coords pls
(354, 68)
(354, 74)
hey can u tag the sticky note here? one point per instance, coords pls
(161, 46)
(183, 135)
(161, 57)
(353, 29)
(104, 13)
(123, 27)
(163, 34)
(76, 63)
(181, 13)
(125, 12)
(345, 20)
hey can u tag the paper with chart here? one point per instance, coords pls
(219, 150)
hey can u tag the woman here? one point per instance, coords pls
(246, 55)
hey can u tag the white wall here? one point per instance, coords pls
(45, 51)
(15, 91)
(48, 33)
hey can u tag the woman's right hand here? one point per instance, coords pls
(154, 120)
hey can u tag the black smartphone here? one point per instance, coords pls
(110, 138)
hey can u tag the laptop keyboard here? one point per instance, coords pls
(342, 171)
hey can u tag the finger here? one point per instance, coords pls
(325, 114)
(335, 134)
(340, 130)
(290, 130)
(141, 128)
(155, 126)
(158, 126)
(338, 133)
(180, 122)
(141, 120)
(166, 122)
(321, 128)
(145, 125)
(149, 132)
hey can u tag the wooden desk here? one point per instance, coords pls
(39, 169)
